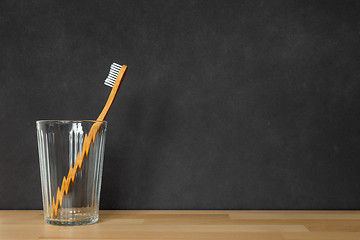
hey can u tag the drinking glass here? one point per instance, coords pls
(59, 144)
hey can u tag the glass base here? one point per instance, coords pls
(74, 217)
(72, 222)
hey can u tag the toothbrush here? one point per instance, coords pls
(114, 80)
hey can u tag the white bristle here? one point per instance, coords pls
(111, 78)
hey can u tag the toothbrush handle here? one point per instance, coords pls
(113, 93)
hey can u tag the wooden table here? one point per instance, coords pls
(249, 225)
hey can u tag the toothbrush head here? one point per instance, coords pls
(114, 72)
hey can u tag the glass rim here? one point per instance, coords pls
(69, 121)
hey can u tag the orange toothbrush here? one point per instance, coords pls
(114, 80)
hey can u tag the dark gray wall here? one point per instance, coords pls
(226, 104)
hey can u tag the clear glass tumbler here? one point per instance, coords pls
(71, 176)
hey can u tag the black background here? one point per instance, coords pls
(226, 104)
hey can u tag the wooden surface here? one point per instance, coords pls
(249, 225)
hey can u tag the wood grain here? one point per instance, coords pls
(249, 225)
